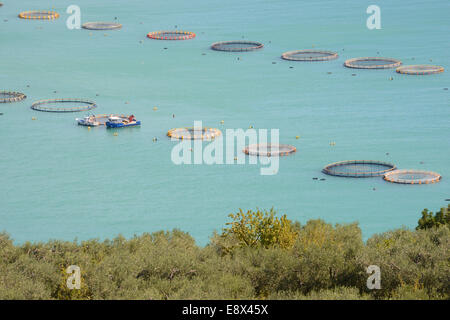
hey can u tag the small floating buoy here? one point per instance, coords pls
(203, 54)
(297, 137)
(251, 127)
(165, 48)
(173, 115)
(421, 162)
(33, 118)
(329, 72)
(116, 134)
(89, 128)
(96, 94)
(391, 78)
(291, 67)
(274, 62)
(374, 189)
(222, 122)
(332, 143)
(155, 139)
(155, 108)
(105, 34)
(323, 179)
(387, 153)
(235, 158)
(140, 41)
(315, 178)
(353, 74)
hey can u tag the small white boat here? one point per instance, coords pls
(90, 121)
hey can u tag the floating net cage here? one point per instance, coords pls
(171, 35)
(309, 55)
(11, 96)
(412, 177)
(194, 133)
(236, 46)
(101, 25)
(372, 63)
(420, 69)
(358, 168)
(269, 149)
(70, 105)
(39, 15)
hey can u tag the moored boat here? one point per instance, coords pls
(119, 122)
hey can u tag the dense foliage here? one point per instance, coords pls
(430, 220)
(257, 256)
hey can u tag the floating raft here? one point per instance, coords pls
(358, 168)
(269, 149)
(85, 105)
(309, 55)
(421, 69)
(237, 46)
(194, 133)
(372, 63)
(11, 96)
(412, 177)
(171, 35)
(39, 15)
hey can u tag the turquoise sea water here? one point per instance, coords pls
(62, 181)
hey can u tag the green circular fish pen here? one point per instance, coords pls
(358, 168)
(309, 55)
(236, 46)
(412, 177)
(194, 133)
(78, 105)
(101, 25)
(372, 63)
(11, 96)
(420, 69)
(269, 149)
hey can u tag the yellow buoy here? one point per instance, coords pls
(222, 122)
(89, 128)
(116, 134)
(251, 127)
(33, 118)
(155, 108)
(297, 137)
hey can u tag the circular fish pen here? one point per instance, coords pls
(194, 133)
(39, 15)
(72, 105)
(171, 35)
(11, 96)
(372, 63)
(309, 55)
(412, 177)
(236, 46)
(358, 168)
(101, 25)
(269, 149)
(421, 69)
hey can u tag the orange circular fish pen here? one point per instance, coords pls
(237, 46)
(194, 133)
(358, 168)
(372, 63)
(420, 69)
(11, 96)
(39, 15)
(309, 55)
(269, 149)
(412, 177)
(171, 35)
